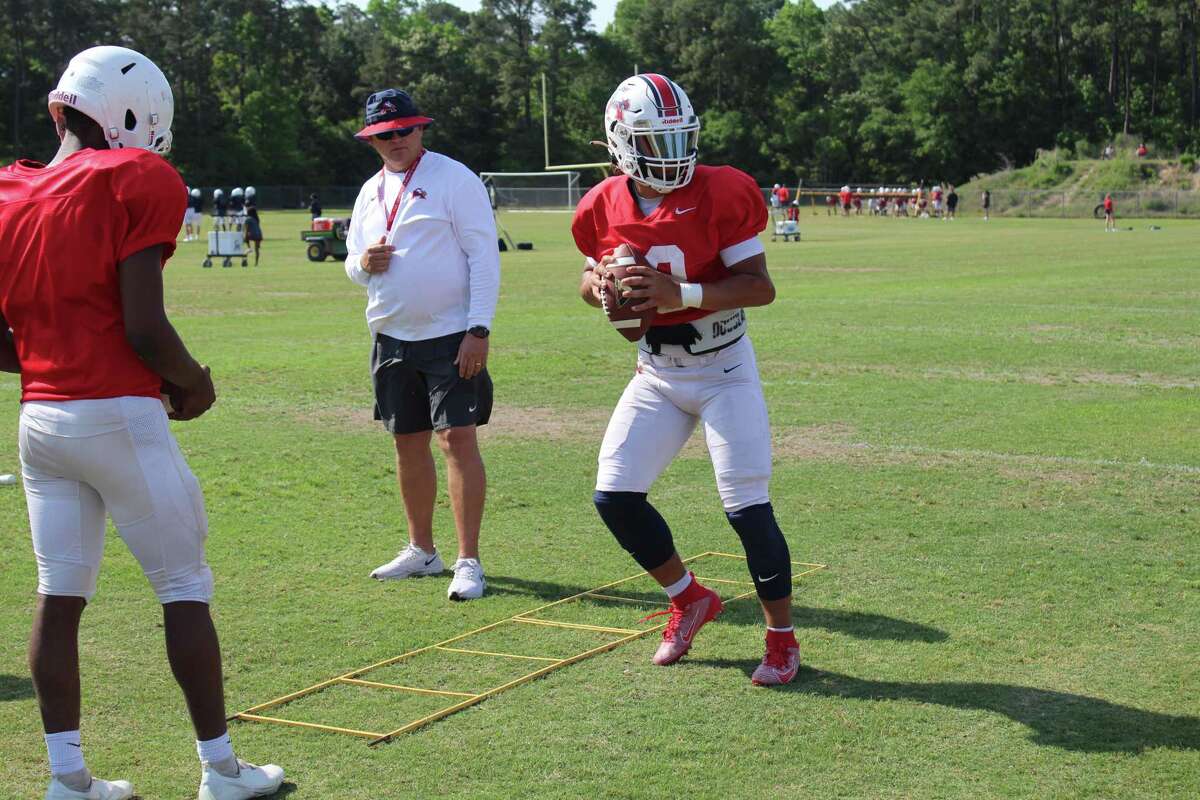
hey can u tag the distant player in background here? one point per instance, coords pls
(190, 218)
(220, 210)
(700, 226)
(986, 201)
(951, 203)
(94, 348)
(830, 205)
(196, 207)
(1110, 217)
(844, 200)
(253, 227)
(237, 205)
(314, 205)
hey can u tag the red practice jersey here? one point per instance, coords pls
(1108, 204)
(65, 228)
(720, 207)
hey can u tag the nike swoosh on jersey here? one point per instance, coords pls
(679, 210)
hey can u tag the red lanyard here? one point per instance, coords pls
(408, 173)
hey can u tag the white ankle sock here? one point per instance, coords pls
(788, 629)
(678, 586)
(218, 754)
(66, 753)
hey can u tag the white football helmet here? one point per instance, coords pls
(124, 92)
(218, 193)
(195, 192)
(652, 131)
(237, 192)
(250, 192)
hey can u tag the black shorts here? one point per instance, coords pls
(417, 386)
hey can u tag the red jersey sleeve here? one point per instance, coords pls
(153, 197)
(741, 213)
(583, 226)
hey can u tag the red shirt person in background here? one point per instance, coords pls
(1141, 150)
(1110, 221)
(81, 307)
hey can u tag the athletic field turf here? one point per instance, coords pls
(990, 432)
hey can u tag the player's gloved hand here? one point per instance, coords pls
(657, 289)
(377, 258)
(194, 399)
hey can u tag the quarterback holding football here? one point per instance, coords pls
(682, 241)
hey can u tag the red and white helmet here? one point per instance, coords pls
(652, 131)
(124, 92)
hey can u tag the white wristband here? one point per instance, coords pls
(691, 295)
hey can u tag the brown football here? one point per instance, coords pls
(629, 323)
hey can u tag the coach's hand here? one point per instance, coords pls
(195, 398)
(472, 356)
(377, 258)
(657, 289)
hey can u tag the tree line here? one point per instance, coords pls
(271, 91)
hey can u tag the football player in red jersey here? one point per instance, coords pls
(699, 226)
(81, 306)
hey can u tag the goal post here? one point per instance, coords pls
(533, 189)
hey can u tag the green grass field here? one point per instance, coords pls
(990, 432)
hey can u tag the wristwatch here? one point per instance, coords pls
(478, 331)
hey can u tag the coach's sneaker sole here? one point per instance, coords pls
(411, 562)
(690, 611)
(468, 582)
(99, 790)
(780, 663)
(251, 781)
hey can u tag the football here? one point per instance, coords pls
(629, 323)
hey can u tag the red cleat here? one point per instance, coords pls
(689, 612)
(781, 662)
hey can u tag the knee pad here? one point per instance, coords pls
(637, 526)
(767, 554)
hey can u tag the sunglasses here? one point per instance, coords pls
(401, 132)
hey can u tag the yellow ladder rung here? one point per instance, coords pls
(313, 725)
(628, 599)
(398, 688)
(724, 580)
(498, 655)
(573, 625)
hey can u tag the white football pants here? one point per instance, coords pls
(81, 458)
(660, 408)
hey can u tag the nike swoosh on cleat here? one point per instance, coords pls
(761, 579)
(731, 369)
(430, 561)
(679, 210)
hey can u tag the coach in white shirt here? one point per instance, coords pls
(423, 241)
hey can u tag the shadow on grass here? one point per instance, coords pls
(15, 687)
(1057, 719)
(747, 612)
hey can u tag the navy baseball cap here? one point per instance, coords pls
(389, 110)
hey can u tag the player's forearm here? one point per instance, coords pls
(160, 348)
(738, 291)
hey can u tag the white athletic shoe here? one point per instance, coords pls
(468, 583)
(408, 563)
(251, 781)
(99, 790)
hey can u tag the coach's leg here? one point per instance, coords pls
(417, 475)
(466, 482)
